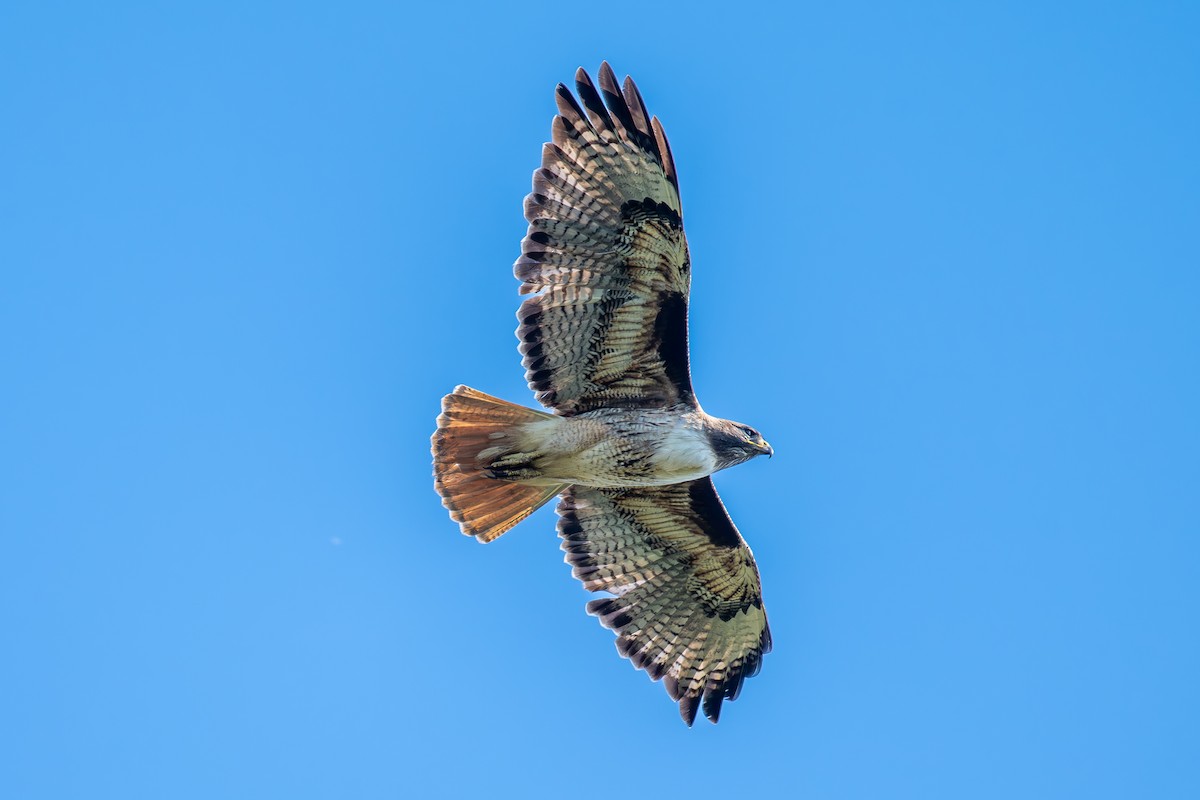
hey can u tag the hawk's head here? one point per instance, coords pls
(733, 442)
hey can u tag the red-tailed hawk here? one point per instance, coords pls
(628, 448)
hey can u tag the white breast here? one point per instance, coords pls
(685, 455)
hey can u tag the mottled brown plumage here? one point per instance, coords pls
(608, 258)
(688, 607)
(603, 338)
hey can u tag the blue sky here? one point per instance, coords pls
(945, 257)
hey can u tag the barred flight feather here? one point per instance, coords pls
(604, 252)
(687, 604)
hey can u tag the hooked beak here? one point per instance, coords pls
(766, 448)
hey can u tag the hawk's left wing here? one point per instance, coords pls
(688, 606)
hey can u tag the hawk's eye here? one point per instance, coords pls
(749, 433)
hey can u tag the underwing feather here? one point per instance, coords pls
(605, 249)
(687, 603)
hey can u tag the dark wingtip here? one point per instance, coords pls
(712, 705)
(688, 705)
(590, 98)
(606, 74)
(567, 105)
(664, 147)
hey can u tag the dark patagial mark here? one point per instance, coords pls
(710, 515)
(671, 340)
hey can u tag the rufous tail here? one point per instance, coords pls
(474, 432)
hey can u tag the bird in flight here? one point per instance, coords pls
(627, 447)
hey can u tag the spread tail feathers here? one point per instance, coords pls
(474, 432)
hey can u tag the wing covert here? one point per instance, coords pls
(605, 258)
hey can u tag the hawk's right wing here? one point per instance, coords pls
(605, 258)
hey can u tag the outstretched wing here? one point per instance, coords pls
(605, 258)
(688, 604)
